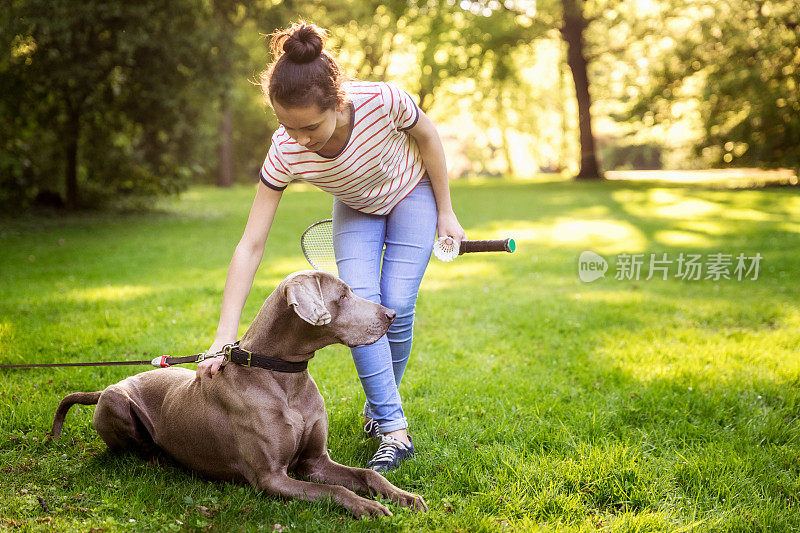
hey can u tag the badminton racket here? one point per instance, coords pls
(316, 242)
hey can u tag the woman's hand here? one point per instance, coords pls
(208, 368)
(448, 226)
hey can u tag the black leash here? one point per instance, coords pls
(78, 364)
(162, 361)
(232, 353)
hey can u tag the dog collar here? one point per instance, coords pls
(234, 354)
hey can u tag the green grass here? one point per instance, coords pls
(537, 401)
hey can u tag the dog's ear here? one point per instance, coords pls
(304, 295)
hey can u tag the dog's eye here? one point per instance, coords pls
(343, 297)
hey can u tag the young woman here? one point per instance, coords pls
(379, 155)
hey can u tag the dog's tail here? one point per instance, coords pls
(83, 398)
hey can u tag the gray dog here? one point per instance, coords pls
(252, 424)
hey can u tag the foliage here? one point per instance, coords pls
(110, 98)
(437, 41)
(735, 63)
(620, 156)
(107, 92)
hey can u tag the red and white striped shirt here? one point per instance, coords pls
(379, 164)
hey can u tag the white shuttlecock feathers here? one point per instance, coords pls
(445, 249)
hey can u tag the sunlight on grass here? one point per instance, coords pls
(687, 209)
(663, 196)
(717, 364)
(680, 204)
(6, 335)
(710, 344)
(606, 296)
(790, 226)
(521, 231)
(109, 293)
(608, 235)
(277, 268)
(595, 232)
(727, 177)
(668, 203)
(708, 227)
(748, 215)
(682, 238)
(442, 275)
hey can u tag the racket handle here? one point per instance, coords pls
(503, 245)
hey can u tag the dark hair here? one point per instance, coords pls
(303, 72)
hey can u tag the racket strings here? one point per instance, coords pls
(317, 245)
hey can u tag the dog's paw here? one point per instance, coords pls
(365, 507)
(407, 499)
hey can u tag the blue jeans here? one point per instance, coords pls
(404, 238)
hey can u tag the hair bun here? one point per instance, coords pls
(305, 44)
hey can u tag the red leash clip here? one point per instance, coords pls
(160, 362)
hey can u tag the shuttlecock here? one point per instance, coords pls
(445, 249)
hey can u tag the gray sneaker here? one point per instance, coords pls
(390, 454)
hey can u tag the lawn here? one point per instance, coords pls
(537, 401)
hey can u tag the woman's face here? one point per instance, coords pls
(310, 126)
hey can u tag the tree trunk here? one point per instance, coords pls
(422, 94)
(562, 90)
(507, 153)
(225, 178)
(572, 31)
(73, 139)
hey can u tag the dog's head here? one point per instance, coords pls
(326, 302)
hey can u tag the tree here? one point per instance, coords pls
(231, 19)
(112, 84)
(437, 41)
(572, 30)
(568, 18)
(738, 64)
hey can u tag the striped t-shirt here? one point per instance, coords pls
(379, 164)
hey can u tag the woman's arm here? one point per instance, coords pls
(241, 273)
(430, 146)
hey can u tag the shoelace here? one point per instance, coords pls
(371, 428)
(387, 449)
